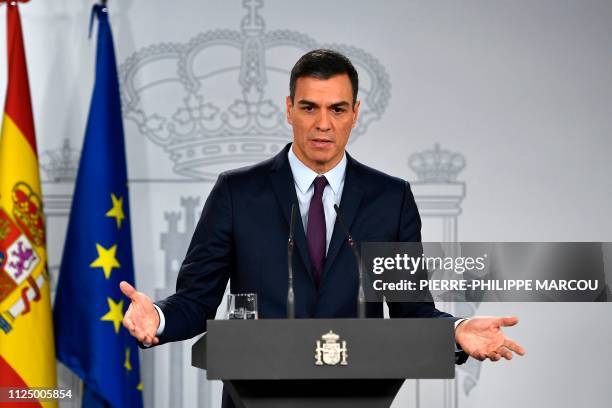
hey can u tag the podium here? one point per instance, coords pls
(339, 363)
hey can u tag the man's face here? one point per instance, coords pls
(322, 116)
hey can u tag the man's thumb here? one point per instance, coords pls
(509, 321)
(127, 289)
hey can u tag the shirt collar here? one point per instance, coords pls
(304, 176)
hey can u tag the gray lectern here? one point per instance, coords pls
(323, 363)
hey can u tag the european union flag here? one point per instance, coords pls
(89, 306)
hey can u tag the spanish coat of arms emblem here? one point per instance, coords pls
(331, 351)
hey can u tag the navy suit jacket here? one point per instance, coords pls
(242, 236)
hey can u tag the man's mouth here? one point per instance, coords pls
(321, 142)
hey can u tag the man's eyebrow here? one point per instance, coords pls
(341, 104)
(306, 102)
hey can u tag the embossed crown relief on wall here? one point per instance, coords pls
(219, 98)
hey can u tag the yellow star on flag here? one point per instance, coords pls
(127, 364)
(106, 259)
(115, 313)
(139, 386)
(117, 211)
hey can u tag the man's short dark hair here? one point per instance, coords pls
(323, 64)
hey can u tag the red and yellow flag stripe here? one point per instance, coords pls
(27, 351)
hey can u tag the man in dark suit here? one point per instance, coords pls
(242, 233)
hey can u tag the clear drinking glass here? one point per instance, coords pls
(242, 306)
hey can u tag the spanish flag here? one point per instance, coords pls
(27, 357)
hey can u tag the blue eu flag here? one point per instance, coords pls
(89, 306)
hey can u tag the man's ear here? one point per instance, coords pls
(356, 112)
(289, 106)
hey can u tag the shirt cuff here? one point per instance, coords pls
(162, 324)
(162, 320)
(458, 349)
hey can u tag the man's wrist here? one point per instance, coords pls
(458, 323)
(161, 326)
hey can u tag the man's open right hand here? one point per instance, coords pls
(141, 318)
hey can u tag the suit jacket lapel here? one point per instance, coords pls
(349, 205)
(284, 188)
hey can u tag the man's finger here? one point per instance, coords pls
(479, 356)
(141, 338)
(508, 321)
(128, 323)
(127, 289)
(514, 346)
(493, 356)
(136, 333)
(506, 354)
(151, 339)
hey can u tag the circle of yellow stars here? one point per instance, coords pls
(107, 261)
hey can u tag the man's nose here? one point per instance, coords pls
(323, 123)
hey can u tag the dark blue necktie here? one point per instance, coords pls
(315, 233)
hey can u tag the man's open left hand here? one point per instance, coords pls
(481, 337)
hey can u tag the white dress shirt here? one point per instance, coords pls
(303, 178)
